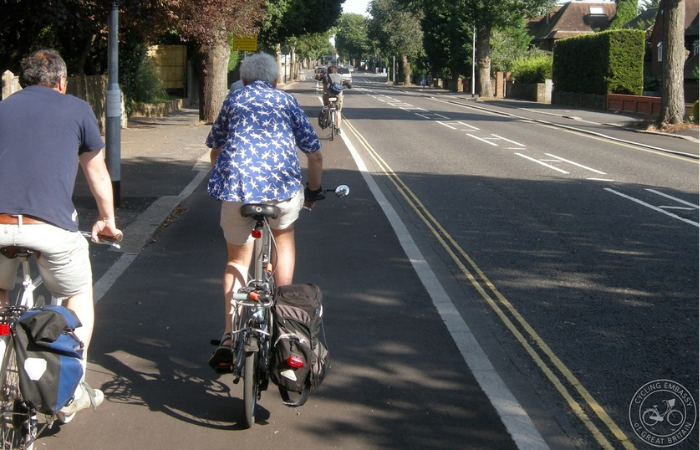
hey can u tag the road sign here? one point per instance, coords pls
(245, 43)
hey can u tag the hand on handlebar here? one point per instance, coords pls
(106, 230)
(312, 196)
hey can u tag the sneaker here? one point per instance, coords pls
(339, 133)
(89, 398)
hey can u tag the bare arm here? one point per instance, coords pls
(97, 176)
(213, 155)
(315, 171)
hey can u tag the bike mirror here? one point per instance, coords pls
(342, 191)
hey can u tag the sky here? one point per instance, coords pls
(356, 6)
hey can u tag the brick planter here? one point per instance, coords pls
(636, 104)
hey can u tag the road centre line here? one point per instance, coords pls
(483, 378)
(694, 206)
(482, 140)
(512, 142)
(682, 219)
(543, 163)
(575, 164)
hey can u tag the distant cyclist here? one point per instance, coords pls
(333, 77)
(44, 136)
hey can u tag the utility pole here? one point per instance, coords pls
(114, 106)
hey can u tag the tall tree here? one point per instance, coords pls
(447, 36)
(209, 23)
(351, 39)
(672, 95)
(397, 30)
(626, 10)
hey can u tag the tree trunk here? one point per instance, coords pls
(215, 80)
(672, 96)
(483, 59)
(293, 58)
(278, 55)
(406, 66)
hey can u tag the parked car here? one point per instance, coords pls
(347, 76)
(319, 73)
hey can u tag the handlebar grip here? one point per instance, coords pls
(240, 296)
(117, 238)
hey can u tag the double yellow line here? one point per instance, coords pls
(558, 374)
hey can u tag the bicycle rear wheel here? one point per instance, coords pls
(15, 416)
(250, 387)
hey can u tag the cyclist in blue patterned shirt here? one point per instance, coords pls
(254, 143)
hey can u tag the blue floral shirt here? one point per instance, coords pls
(258, 130)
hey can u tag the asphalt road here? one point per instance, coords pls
(492, 282)
(581, 242)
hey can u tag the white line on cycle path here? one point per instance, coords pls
(138, 233)
(514, 417)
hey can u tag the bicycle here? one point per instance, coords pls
(331, 110)
(19, 426)
(251, 321)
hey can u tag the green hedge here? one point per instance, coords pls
(532, 69)
(611, 62)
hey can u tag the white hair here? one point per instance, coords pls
(259, 66)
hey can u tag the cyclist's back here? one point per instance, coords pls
(333, 77)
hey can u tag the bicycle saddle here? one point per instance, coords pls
(260, 209)
(14, 251)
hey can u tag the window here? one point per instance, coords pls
(659, 51)
(597, 11)
(695, 48)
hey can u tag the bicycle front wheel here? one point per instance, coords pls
(17, 427)
(250, 387)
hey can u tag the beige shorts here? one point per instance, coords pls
(63, 259)
(338, 103)
(237, 228)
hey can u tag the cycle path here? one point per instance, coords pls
(398, 379)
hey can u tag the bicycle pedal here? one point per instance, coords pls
(236, 380)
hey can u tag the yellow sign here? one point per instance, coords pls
(245, 43)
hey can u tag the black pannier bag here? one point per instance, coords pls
(49, 357)
(298, 360)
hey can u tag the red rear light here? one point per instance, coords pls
(257, 234)
(295, 362)
(4, 329)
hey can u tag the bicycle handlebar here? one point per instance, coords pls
(104, 239)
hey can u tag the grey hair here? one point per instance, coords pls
(259, 66)
(43, 68)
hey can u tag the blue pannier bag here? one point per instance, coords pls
(49, 357)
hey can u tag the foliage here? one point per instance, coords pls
(148, 86)
(626, 11)
(510, 45)
(619, 57)
(286, 19)
(447, 37)
(351, 39)
(313, 46)
(695, 112)
(532, 69)
(397, 31)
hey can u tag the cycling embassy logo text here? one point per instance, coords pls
(663, 413)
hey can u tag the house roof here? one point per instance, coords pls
(644, 21)
(573, 19)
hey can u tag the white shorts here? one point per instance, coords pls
(63, 258)
(237, 228)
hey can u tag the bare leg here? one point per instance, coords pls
(82, 305)
(286, 251)
(235, 275)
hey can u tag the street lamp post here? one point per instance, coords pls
(113, 107)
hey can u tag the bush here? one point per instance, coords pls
(695, 112)
(532, 69)
(148, 86)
